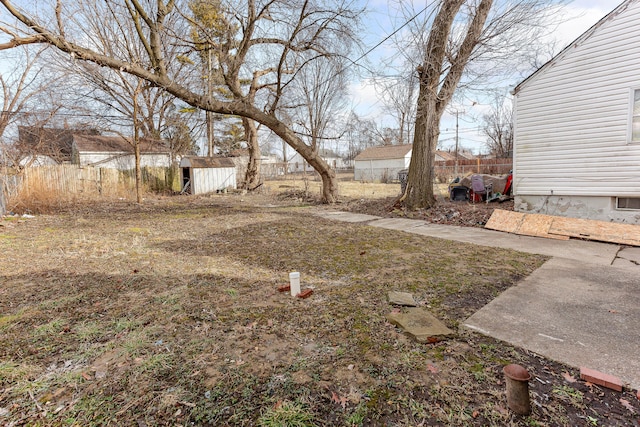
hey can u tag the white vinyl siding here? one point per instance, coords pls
(380, 169)
(573, 117)
(123, 161)
(210, 180)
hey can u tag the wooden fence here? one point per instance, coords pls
(445, 171)
(66, 181)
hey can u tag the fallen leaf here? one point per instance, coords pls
(502, 410)
(432, 368)
(339, 400)
(627, 405)
(568, 377)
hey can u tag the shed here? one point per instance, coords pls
(577, 126)
(382, 163)
(116, 152)
(207, 174)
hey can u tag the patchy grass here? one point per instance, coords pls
(168, 314)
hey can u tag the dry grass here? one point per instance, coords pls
(168, 314)
(347, 187)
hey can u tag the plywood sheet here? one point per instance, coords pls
(521, 223)
(612, 232)
(502, 220)
(537, 225)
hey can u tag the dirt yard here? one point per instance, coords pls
(169, 314)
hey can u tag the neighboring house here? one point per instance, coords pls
(297, 163)
(465, 155)
(577, 128)
(44, 146)
(34, 160)
(207, 174)
(114, 152)
(444, 156)
(382, 163)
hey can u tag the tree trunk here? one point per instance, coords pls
(419, 190)
(138, 171)
(252, 175)
(136, 141)
(435, 93)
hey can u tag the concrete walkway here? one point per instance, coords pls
(581, 308)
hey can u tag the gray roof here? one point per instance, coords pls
(385, 152)
(115, 144)
(207, 162)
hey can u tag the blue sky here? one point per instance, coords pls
(579, 15)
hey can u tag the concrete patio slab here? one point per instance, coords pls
(576, 313)
(628, 257)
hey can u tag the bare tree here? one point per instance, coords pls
(273, 34)
(318, 96)
(468, 42)
(399, 95)
(498, 127)
(20, 82)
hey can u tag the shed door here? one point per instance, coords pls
(187, 184)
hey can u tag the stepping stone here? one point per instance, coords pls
(401, 298)
(419, 324)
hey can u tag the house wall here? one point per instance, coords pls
(572, 153)
(596, 207)
(379, 170)
(210, 180)
(126, 162)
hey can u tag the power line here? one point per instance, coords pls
(413, 18)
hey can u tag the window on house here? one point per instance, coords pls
(635, 121)
(628, 203)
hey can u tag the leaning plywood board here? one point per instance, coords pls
(525, 224)
(537, 225)
(612, 232)
(502, 220)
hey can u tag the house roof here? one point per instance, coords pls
(115, 144)
(445, 155)
(385, 152)
(51, 142)
(327, 153)
(206, 162)
(573, 44)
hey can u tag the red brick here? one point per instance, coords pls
(600, 378)
(284, 288)
(305, 294)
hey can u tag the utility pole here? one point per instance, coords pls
(455, 171)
